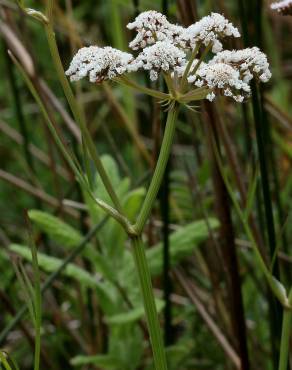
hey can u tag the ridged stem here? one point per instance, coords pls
(156, 340)
(159, 170)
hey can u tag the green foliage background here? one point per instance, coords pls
(93, 316)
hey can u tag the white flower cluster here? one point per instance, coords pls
(251, 62)
(208, 31)
(230, 72)
(152, 26)
(164, 49)
(283, 7)
(162, 56)
(100, 64)
(222, 78)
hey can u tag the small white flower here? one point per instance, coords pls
(162, 56)
(222, 78)
(164, 50)
(149, 20)
(152, 26)
(283, 7)
(208, 30)
(251, 62)
(100, 64)
(211, 96)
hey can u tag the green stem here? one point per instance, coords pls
(73, 164)
(159, 170)
(124, 80)
(285, 337)
(189, 66)
(76, 110)
(169, 83)
(205, 52)
(149, 304)
(4, 362)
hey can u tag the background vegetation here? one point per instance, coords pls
(215, 307)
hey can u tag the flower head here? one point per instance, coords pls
(165, 47)
(162, 56)
(209, 29)
(251, 62)
(152, 26)
(283, 7)
(100, 64)
(222, 78)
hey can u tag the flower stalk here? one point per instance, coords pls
(184, 80)
(124, 80)
(75, 108)
(159, 170)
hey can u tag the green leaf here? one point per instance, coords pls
(58, 230)
(105, 361)
(51, 264)
(121, 186)
(182, 243)
(177, 353)
(66, 236)
(133, 202)
(132, 315)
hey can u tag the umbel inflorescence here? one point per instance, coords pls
(177, 53)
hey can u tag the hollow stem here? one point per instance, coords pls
(159, 170)
(285, 337)
(159, 356)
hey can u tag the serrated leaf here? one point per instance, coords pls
(182, 243)
(55, 228)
